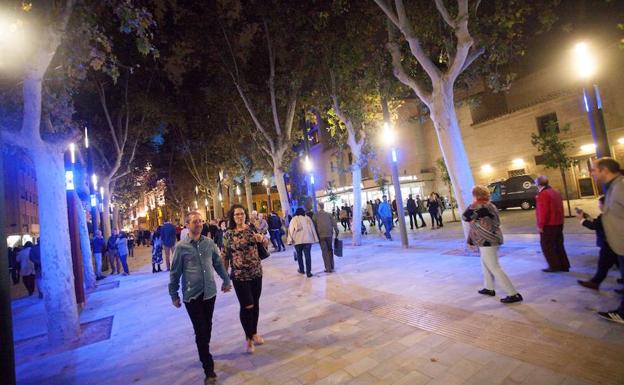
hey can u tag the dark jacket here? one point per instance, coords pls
(412, 208)
(98, 245)
(111, 244)
(168, 234)
(274, 222)
(596, 225)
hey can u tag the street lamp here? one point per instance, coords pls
(389, 137)
(265, 182)
(309, 167)
(585, 65)
(238, 193)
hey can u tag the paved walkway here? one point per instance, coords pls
(387, 316)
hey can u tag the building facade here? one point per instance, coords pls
(496, 130)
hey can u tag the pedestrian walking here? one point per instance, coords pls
(131, 244)
(168, 237)
(485, 233)
(420, 208)
(608, 172)
(241, 254)
(325, 227)
(184, 233)
(344, 218)
(376, 213)
(433, 206)
(111, 252)
(606, 258)
(441, 207)
(262, 225)
(549, 213)
(369, 213)
(385, 214)
(26, 268)
(98, 249)
(192, 259)
(122, 252)
(276, 232)
(157, 251)
(35, 257)
(302, 234)
(412, 209)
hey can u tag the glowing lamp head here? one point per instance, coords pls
(388, 135)
(621, 140)
(94, 181)
(220, 197)
(206, 202)
(238, 191)
(487, 168)
(584, 61)
(265, 182)
(307, 164)
(591, 147)
(518, 162)
(72, 152)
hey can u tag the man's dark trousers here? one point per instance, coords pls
(328, 252)
(551, 240)
(413, 220)
(200, 312)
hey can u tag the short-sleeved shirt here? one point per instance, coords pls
(242, 252)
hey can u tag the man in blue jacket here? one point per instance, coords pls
(385, 213)
(168, 237)
(192, 261)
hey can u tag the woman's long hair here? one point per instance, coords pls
(231, 225)
(300, 211)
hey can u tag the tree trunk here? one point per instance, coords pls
(356, 226)
(248, 193)
(56, 263)
(116, 221)
(451, 144)
(565, 188)
(281, 189)
(85, 246)
(231, 195)
(106, 219)
(450, 190)
(217, 204)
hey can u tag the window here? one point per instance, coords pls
(539, 160)
(517, 172)
(545, 122)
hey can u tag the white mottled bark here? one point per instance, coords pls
(248, 193)
(56, 263)
(281, 189)
(450, 139)
(85, 246)
(106, 217)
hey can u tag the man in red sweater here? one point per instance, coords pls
(549, 214)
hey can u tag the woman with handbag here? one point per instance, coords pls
(302, 233)
(244, 247)
(485, 233)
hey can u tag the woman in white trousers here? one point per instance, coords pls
(485, 233)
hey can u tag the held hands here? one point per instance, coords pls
(225, 288)
(176, 302)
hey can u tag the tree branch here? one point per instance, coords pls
(472, 56)
(445, 15)
(464, 42)
(108, 117)
(403, 77)
(387, 9)
(276, 122)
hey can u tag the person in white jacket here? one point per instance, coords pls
(302, 233)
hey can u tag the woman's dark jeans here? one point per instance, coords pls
(248, 293)
(304, 248)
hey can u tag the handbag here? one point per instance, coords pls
(337, 247)
(263, 253)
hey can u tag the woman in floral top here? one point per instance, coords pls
(241, 253)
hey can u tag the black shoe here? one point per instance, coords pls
(159, 269)
(549, 270)
(512, 298)
(98, 278)
(309, 275)
(210, 379)
(589, 284)
(300, 272)
(489, 292)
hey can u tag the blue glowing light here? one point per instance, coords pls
(69, 180)
(585, 101)
(598, 98)
(311, 179)
(394, 155)
(93, 200)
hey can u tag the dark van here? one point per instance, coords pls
(517, 191)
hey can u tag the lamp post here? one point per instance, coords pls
(389, 136)
(92, 185)
(265, 182)
(309, 167)
(586, 67)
